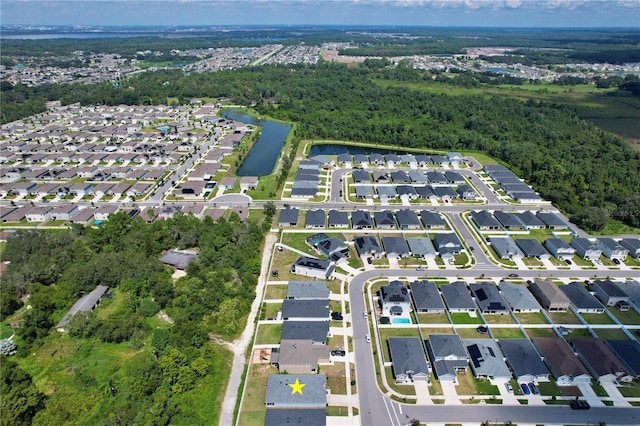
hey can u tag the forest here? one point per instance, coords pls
(588, 173)
(147, 354)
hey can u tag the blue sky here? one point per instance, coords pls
(495, 13)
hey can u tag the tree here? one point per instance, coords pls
(20, 398)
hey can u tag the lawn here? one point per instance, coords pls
(499, 319)
(468, 385)
(336, 377)
(282, 261)
(531, 318)
(426, 331)
(563, 317)
(268, 334)
(630, 389)
(597, 318)
(385, 333)
(540, 332)
(271, 310)
(276, 291)
(401, 389)
(464, 318)
(253, 410)
(470, 333)
(551, 389)
(630, 317)
(506, 333)
(611, 334)
(433, 318)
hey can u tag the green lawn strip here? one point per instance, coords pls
(470, 333)
(630, 317)
(385, 333)
(276, 291)
(268, 334)
(531, 318)
(253, 410)
(433, 318)
(271, 310)
(610, 333)
(464, 318)
(339, 411)
(506, 333)
(630, 390)
(468, 385)
(499, 319)
(597, 318)
(567, 317)
(401, 389)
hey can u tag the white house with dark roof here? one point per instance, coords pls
(505, 248)
(632, 245)
(488, 298)
(610, 294)
(448, 356)
(487, 360)
(582, 301)
(585, 248)
(367, 246)
(611, 248)
(408, 359)
(518, 297)
(395, 300)
(562, 362)
(312, 267)
(523, 359)
(559, 248)
(421, 247)
(338, 219)
(426, 297)
(457, 297)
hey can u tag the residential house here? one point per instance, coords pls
(582, 301)
(603, 365)
(361, 176)
(518, 297)
(408, 359)
(407, 219)
(296, 391)
(63, 212)
(426, 297)
(395, 247)
(457, 297)
(505, 248)
(386, 192)
(466, 192)
(361, 219)
(85, 304)
(179, 259)
(524, 361)
(447, 245)
(307, 290)
(406, 192)
(559, 248)
(585, 248)
(487, 360)
(360, 160)
(333, 248)
(485, 221)
(628, 353)
(300, 357)
(446, 193)
(367, 246)
(532, 248)
(432, 220)
(395, 300)
(384, 219)
(611, 248)
(294, 416)
(38, 214)
(399, 176)
(530, 220)
(564, 365)
(632, 245)
(305, 310)
(314, 219)
(316, 331)
(552, 220)
(288, 217)
(454, 178)
(421, 247)
(102, 212)
(418, 177)
(549, 295)
(437, 178)
(454, 158)
(338, 219)
(447, 355)
(312, 267)
(509, 221)
(610, 294)
(344, 158)
(488, 298)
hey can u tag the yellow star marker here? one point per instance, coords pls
(296, 387)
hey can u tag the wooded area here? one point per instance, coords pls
(123, 363)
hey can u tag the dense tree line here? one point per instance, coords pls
(154, 383)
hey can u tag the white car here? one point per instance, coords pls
(364, 314)
(368, 338)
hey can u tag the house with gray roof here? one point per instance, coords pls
(518, 297)
(552, 220)
(395, 300)
(376, 158)
(312, 267)
(447, 355)
(559, 248)
(288, 217)
(384, 219)
(509, 221)
(85, 304)
(564, 365)
(466, 192)
(361, 219)
(409, 160)
(406, 192)
(395, 247)
(582, 301)
(447, 245)
(530, 220)
(549, 295)
(305, 310)
(610, 294)
(386, 192)
(314, 219)
(367, 245)
(432, 220)
(488, 298)
(585, 248)
(307, 290)
(400, 176)
(408, 359)
(532, 248)
(344, 158)
(426, 192)
(426, 297)
(505, 248)
(316, 331)
(436, 178)
(391, 159)
(454, 178)
(632, 245)
(407, 219)
(611, 248)
(628, 353)
(360, 159)
(364, 192)
(179, 259)
(457, 297)
(524, 361)
(603, 365)
(361, 176)
(439, 160)
(632, 288)
(487, 360)
(485, 221)
(296, 391)
(295, 416)
(300, 357)
(333, 248)
(417, 176)
(338, 219)
(423, 160)
(446, 193)
(421, 247)
(454, 158)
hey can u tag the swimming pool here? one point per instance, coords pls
(400, 321)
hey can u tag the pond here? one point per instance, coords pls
(262, 157)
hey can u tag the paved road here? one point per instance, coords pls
(378, 409)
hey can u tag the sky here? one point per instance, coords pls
(470, 13)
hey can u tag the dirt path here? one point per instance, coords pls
(239, 346)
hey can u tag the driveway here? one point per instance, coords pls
(450, 394)
(615, 395)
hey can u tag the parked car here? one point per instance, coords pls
(368, 338)
(369, 261)
(525, 389)
(513, 275)
(568, 262)
(533, 388)
(420, 268)
(472, 248)
(616, 261)
(509, 387)
(580, 405)
(338, 352)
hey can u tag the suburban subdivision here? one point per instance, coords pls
(396, 286)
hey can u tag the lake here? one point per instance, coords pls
(262, 157)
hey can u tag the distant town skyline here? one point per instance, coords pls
(441, 13)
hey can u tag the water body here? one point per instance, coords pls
(262, 157)
(334, 149)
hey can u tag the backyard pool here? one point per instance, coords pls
(400, 321)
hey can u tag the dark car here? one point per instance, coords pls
(513, 275)
(338, 352)
(579, 405)
(369, 261)
(616, 261)
(472, 248)
(533, 388)
(336, 316)
(525, 389)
